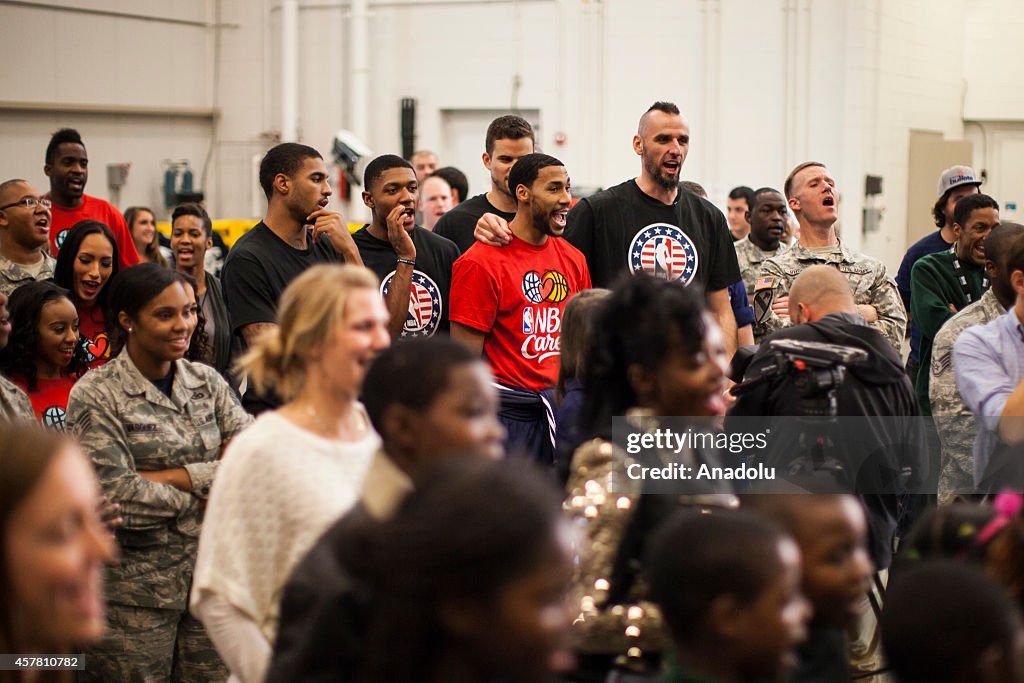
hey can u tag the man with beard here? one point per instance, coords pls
(413, 264)
(811, 193)
(953, 420)
(508, 139)
(945, 282)
(648, 224)
(67, 167)
(767, 219)
(510, 300)
(297, 232)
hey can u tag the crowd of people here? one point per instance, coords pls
(406, 453)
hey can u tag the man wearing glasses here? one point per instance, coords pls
(24, 231)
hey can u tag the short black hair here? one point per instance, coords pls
(526, 170)
(972, 202)
(385, 162)
(193, 209)
(412, 374)
(62, 136)
(999, 240)
(695, 188)
(694, 558)
(743, 192)
(940, 618)
(285, 158)
(508, 127)
(456, 179)
(664, 107)
(756, 195)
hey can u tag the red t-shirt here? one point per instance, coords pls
(49, 400)
(96, 209)
(515, 295)
(93, 331)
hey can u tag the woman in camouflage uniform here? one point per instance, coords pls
(154, 425)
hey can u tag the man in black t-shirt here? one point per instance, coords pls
(651, 224)
(297, 232)
(414, 265)
(508, 138)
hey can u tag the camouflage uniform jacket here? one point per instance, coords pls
(13, 275)
(953, 420)
(868, 279)
(750, 257)
(127, 425)
(15, 405)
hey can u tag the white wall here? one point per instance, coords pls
(105, 68)
(765, 84)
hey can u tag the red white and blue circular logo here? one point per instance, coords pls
(663, 251)
(424, 305)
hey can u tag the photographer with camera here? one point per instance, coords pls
(822, 308)
(828, 366)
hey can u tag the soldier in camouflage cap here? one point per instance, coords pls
(154, 425)
(767, 219)
(811, 193)
(24, 230)
(953, 420)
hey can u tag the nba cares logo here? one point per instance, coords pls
(424, 305)
(551, 287)
(663, 251)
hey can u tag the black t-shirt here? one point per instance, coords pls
(623, 229)
(260, 266)
(459, 223)
(431, 280)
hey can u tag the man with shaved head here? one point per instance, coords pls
(24, 231)
(650, 224)
(811, 193)
(823, 309)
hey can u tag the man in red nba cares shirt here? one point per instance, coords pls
(67, 167)
(507, 302)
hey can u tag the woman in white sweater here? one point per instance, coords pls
(295, 470)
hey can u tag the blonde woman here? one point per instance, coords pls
(297, 469)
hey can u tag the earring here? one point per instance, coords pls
(130, 330)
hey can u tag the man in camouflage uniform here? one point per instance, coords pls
(811, 193)
(24, 231)
(767, 219)
(156, 455)
(953, 420)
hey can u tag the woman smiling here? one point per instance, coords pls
(154, 425)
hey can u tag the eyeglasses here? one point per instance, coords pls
(29, 202)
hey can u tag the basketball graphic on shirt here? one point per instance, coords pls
(665, 252)
(53, 417)
(552, 287)
(424, 305)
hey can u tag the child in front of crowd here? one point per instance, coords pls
(831, 530)
(728, 585)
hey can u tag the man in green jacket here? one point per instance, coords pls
(945, 282)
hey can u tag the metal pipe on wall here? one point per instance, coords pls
(289, 70)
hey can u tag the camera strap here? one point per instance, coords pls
(962, 278)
